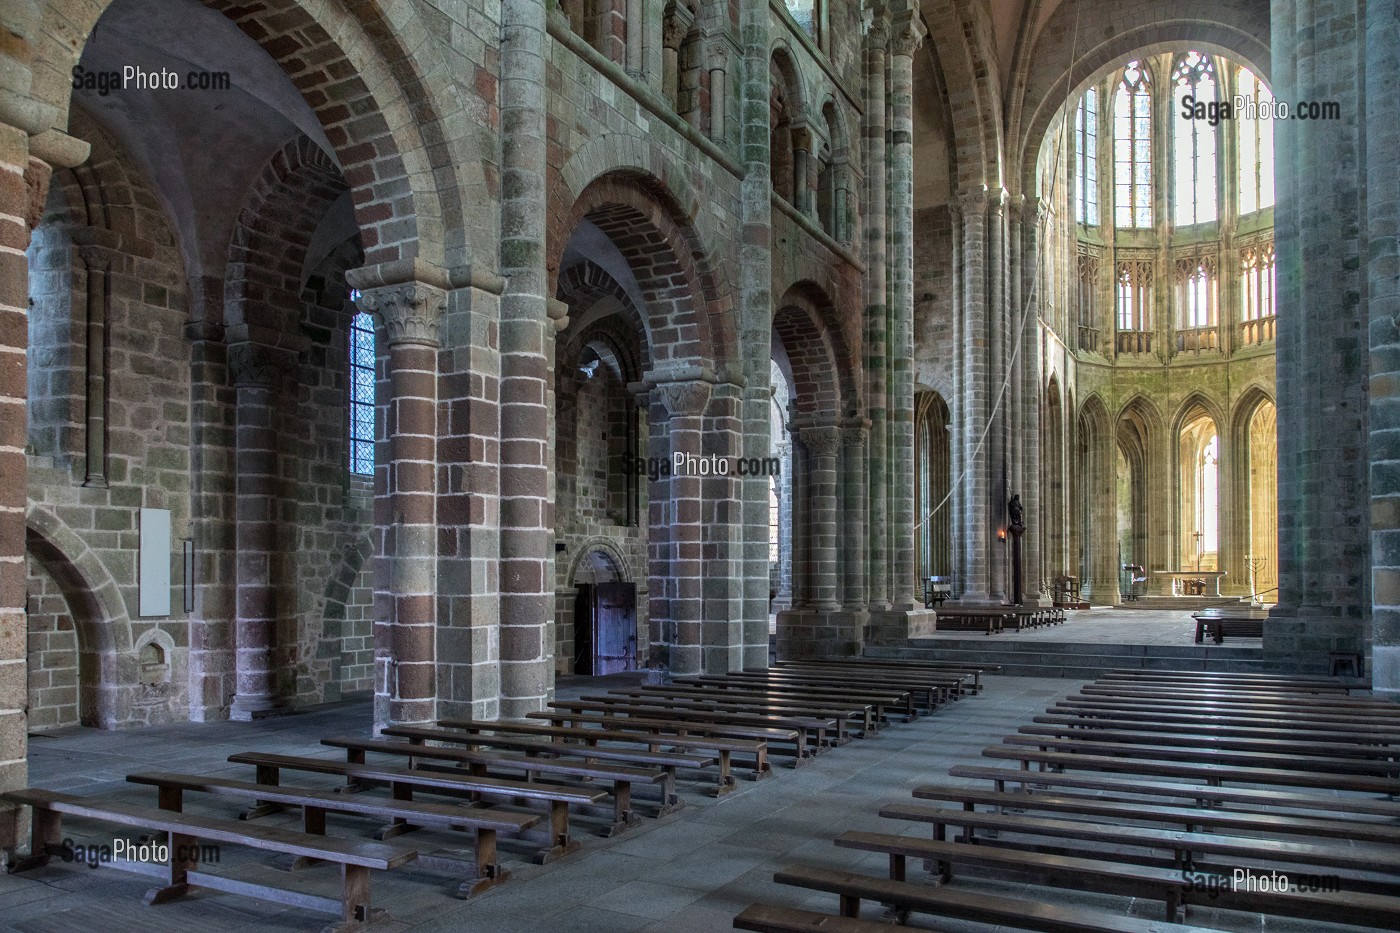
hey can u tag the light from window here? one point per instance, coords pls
(1208, 520)
(805, 12)
(1132, 143)
(1197, 296)
(773, 521)
(1256, 145)
(1086, 159)
(1257, 283)
(1194, 140)
(362, 395)
(1135, 295)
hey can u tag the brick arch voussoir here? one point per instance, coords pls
(822, 387)
(1051, 83)
(583, 285)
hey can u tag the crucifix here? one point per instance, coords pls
(1198, 535)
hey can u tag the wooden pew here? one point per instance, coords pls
(1242, 623)
(882, 703)
(1173, 886)
(1168, 810)
(1271, 699)
(697, 719)
(1198, 709)
(181, 874)
(933, 689)
(921, 696)
(1318, 747)
(1232, 681)
(963, 667)
(1192, 752)
(1271, 728)
(481, 763)
(1132, 789)
(850, 717)
(999, 911)
(404, 782)
(1212, 773)
(485, 871)
(637, 732)
(955, 618)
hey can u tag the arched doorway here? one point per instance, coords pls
(604, 617)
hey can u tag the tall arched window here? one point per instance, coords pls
(1257, 285)
(1193, 76)
(362, 395)
(1200, 493)
(1256, 145)
(1196, 293)
(1132, 147)
(1086, 159)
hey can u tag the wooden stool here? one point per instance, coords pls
(1339, 660)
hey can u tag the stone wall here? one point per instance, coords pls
(53, 653)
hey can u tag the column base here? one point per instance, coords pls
(1384, 670)
(897, 626)
(249, 708)
(819, 633)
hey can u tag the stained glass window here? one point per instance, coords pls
(1086, 159)
(1132, 148)
(362, 395)
(1193, 84)
(1256, 145)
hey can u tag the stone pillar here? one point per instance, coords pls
(1321, 240)
(876, 298)
(854, 437)
(802, 170)
(405, 505)
(673, 30)
(755, 300)
(256, 371)
(801, 524)
(719, 95)
(632, 55)
(723, 533)
(785, 455)
(98, 261)
(679, 410)
(1026, 240)
(527, 522)
(973, 404)
(823, 444)
(1382, 272)
(998, 340)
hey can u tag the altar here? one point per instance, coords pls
(1182, 579)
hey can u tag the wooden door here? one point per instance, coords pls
(614, 628)
(583, 629)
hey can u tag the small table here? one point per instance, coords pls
(1245, 621)
(1180, 576)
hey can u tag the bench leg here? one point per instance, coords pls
(624, 818)
(400, 825)
(355, 909)
(850, 906)
(313, 822)
(726, 777)
(182, 847)
(266, 774)
(670, 802)
(559, 842)
(45, 840)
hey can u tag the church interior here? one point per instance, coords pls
(741, 428)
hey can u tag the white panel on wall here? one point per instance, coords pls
(155, 562)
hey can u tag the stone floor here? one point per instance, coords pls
(690, 872)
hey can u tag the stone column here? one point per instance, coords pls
(755, 302)
(1382, 271)
(802, 170)
(682, 405)
(974, 403)
(723, 533)
(824, 444)
(673, 30)
(801, 524)
(905, 41)
(256, 371)
(527, 523)
(854, 438)
(405, 505)
(1027, 240)
(98, 261)
(632, 60)
(784, 454)
(1324, 259)
(998, 339)
(876, 298)
(719, 94)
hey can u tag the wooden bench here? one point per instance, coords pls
(933, 689)
(999, 911)
(1212, 773)
(1239, 681)
(989, 621)
(1182, 847)
(1315, 747)
(1218, 713)
(922, 696)
(484, 823)
(702, 722)
(850, 717)
(1169, 811)
(1131, 790)
(481, 763)
(181, 874)
(404, 782)
(1254, 728)
(975, 670)
(882, 703)
(1192, 752)
(766, 919)
(1277, 699)
(573, 740)
(1173, 886)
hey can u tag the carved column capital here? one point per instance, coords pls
(821, 440)
(204, 332)
(411, 311)
(856, 433)
(906, 35)
(683, 398)
(252, 364)
(997, 200)
(972, 202)
(877, 29)
(96, 258)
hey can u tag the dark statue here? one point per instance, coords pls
(1017, 528)
(1018, 512)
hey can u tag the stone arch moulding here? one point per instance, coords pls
(100, 620)
(1051, 82)
(373, 120)
(818, 360)
(1198, 401)
(976, 125)
(609, 547)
